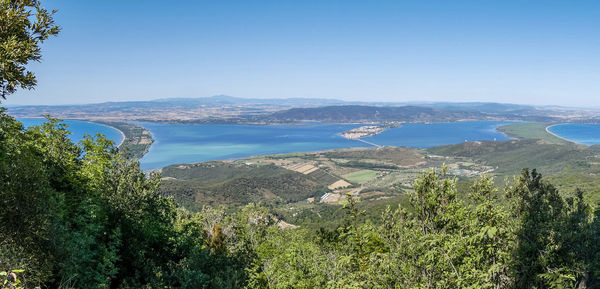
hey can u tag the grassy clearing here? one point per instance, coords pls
(531, 130)
(361, 177)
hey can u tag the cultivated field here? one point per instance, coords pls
(361, 177)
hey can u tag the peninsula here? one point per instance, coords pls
(363, 131)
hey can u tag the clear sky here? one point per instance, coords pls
(536, 52)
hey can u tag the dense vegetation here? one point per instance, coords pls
(217, 183)
(87, 217)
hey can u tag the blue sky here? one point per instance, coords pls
(535, 52)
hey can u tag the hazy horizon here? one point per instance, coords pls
(349, 102)
(518, 52)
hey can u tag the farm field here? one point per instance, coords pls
(361, 177)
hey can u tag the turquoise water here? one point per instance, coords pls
(588, 134)
(195, 143)
(79, 128)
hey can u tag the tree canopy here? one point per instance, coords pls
(24, 26)
(85, 216)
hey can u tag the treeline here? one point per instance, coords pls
(87, 217)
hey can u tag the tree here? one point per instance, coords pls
(24, 26)
(554, 236)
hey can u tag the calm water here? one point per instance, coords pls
(195, 143)
(79, 128)
(419, 135)
(588, 134)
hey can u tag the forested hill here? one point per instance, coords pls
(359, 113)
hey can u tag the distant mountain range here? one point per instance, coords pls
(231, 100)
(229, 109)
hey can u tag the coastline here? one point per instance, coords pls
(124, 137)
(122, 134)
(560, 137)
(499, 130)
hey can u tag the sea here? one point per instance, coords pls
(588, 134)
(80, 128)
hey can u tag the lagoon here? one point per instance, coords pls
(176, 144)
(588, 134)
(421, 135)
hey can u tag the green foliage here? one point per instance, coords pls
(85, 216)
(229, 183)
(537, 240)
(553, 235)
(24, 26)
(10, 280)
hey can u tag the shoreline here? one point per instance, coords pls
(122, 134)
(560, 137)
(504, 133)
(124, 137)
(107, 125)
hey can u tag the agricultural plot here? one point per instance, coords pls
(339, 184)
(361, 177)
(323, 177)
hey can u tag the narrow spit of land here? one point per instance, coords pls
(369, 143)
(123, 136)
(532, 130)
(136, 139)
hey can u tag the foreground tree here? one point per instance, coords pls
(84, 216)
(24, 26)
(555, 236)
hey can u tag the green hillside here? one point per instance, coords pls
(569, 166)
(218, 183)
